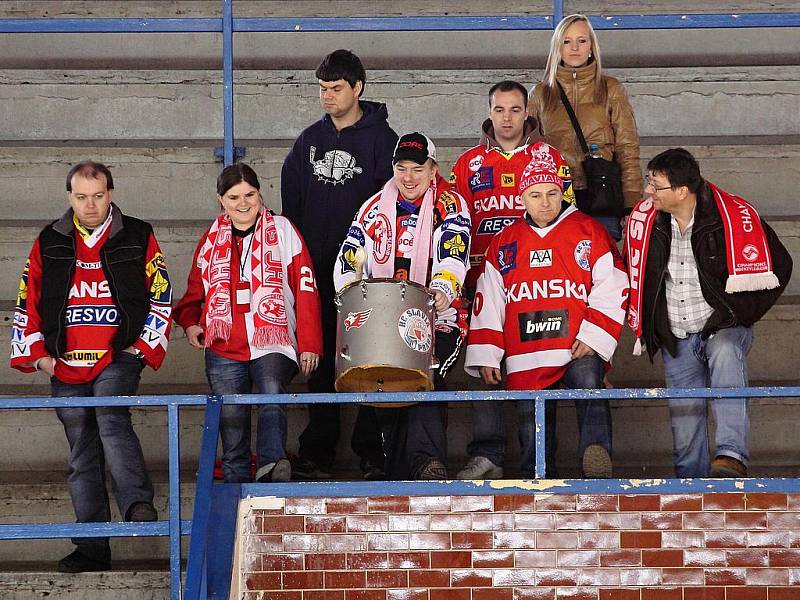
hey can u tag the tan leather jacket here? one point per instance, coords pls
(612, 127)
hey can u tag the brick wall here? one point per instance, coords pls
(731, 546)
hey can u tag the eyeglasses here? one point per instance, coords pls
(649, 183)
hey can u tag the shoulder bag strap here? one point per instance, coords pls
(575, 125)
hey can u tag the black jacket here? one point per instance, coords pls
(123, 256)
(708, 246)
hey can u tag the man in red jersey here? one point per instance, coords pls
(550, 303)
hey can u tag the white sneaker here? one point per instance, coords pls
(480, 467)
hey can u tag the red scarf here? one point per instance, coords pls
(746, 249)
(267, 303)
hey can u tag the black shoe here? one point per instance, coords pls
(306, 468)
(274, 472)
(373, 471)
(432, 470)
(78, 562)
(140, 512)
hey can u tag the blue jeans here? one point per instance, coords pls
(594, 416)
(269, 374)
(612, 224)
(98, 436)
(717, 362)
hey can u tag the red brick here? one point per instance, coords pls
(270, 594)
(451, 560)
(388, 504)
(357, 523)
(305, 542)
(578, 558)
(597, 502)
(726, 539)
(454, 594)
(699, 557)
(639, 502)
(407, 594)
(598, 539)
(725, 576)
(367, 560)
(450, 522)
(746, 593)
(555, 502)
(345, 506)
(793, 501)
(769, 539)
(324, 524)
(704, 520)
(640, 577)
(535, 558)
(305, 506)
(472, 504)
(662, 558)
(409, 560)
(345, 579)
(282, 524)
(266, 543)
(620, 558)
(516, 540)
(577, 521)
(534, 521)
(429, 578)
(561, 540)
(666, 593)
(619, 521)
(493, 522)
(783, 520)
(619, 594)
(576, 593)
(474, 540)
(704, 593)
(323, 595)
(387, 541)
(598, 577)
(410, 522)
(514, 577)
(365, 595)
(662, 520)
(387, 579)
(492, 558)
(505, 502)
(748, 558)
(640, 539)
(493, 594)
(768, 577)
(534, 593)
(766, 501)
(723, 501)
(281, 562)
(682, 502)
(470, 578)
(682, 576)
(342, 542)
(682, 539)
(557, 577)
(782, 593)
(429, 504)
(748, 520)
(429, 541)
(325, 562)
(781, 558)
(302, 580)
(263, 581)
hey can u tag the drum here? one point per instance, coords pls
(385, 337)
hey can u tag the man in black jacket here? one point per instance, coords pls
(693, 306)
(335, 165)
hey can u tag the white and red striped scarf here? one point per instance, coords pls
(267, 302)
(746, 249)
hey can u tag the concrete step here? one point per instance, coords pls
(128, 581)
(42, 105)
(440, 50)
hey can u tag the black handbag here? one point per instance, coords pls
(603, 177)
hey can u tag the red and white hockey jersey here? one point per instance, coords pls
(300, 294)
(488, 178)
(540, 290)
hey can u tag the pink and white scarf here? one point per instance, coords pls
(267, 303)
(421, 249)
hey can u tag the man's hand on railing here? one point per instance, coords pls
(194, 333)
(490, 375)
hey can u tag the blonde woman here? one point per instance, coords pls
(601, 106)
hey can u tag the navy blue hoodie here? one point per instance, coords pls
(328, 175)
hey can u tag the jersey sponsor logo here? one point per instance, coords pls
(508, 180)
(583, 250)
(160, 288)
(337, 166)
(452, 179)
(415, 330)
(20, 319)
(405, 242)
(155, 328)
(382, 237)
(83, 358)
(507, 257)
(494, 225)
(89, 266)
(90, 289)
(22, 291)
(482, 179)
(409, 221)
(357, 234)
(544, 289)
(475, 163)
(541, 258)
(500, 202)
(450, 202)
(453, 244)
(543, 325)
(92, 315)
(355, 320)
(347, 258)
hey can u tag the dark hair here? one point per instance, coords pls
(679, 167)
(88, 169)
(234, 175)
(509, 86)
(342, 64)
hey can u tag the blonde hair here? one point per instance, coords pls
(554, 60)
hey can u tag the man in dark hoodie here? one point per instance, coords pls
(487, 176)
(335, 165)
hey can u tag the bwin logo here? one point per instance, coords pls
(337, 166)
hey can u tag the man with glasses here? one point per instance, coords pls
(703, 268)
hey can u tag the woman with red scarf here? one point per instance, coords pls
(252, 305)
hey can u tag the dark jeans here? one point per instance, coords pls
(98, 436)
(413, 435)
(320, 437)
(268, 374)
